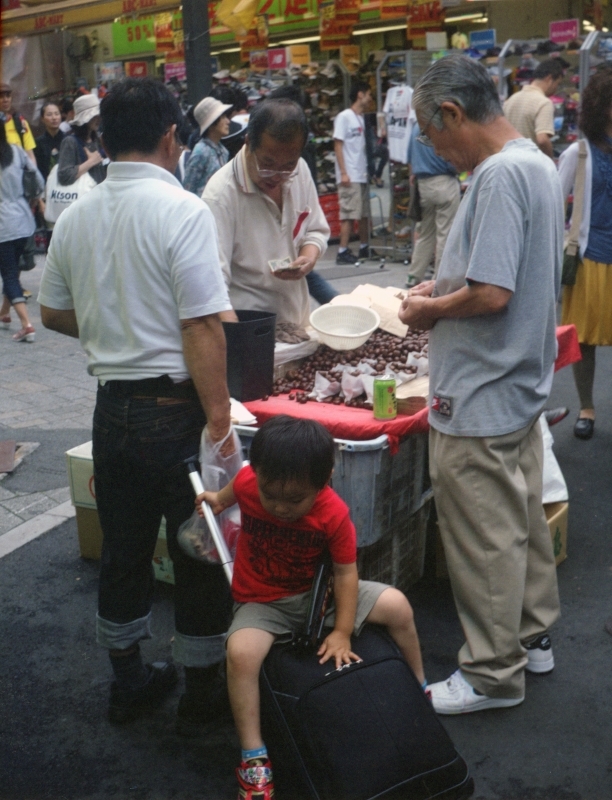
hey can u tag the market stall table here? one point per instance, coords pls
(381, 472)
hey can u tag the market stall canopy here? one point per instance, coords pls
(53, 15)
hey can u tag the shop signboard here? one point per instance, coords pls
(33, 20)
(299, 54)
(393, 9)
(109, 73)
(259, 60)
(423, 17)
(131, 37)
(333, 32)
(136, 69)
(256, 38)
(277, 58)
(563, 30)
(175, 70)
(483, 40)
(350, 56)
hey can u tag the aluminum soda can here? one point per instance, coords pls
(385, 402)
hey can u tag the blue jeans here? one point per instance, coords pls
(139, 445)
(319, 288)
(10, 253)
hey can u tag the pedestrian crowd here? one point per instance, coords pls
(179, 225)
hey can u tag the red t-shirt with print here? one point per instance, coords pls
(277, 559)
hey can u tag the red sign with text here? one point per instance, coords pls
(564, 30)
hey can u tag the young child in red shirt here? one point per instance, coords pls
(290, 516)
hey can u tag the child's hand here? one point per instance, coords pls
(337, 646)
(212, 498)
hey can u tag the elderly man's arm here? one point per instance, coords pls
(422, 312)
(544, 142)
(61, 321)
(204, 352)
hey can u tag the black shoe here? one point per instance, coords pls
(347, 258)
(367, 254)
(127, 705)
(584, 427)
(194, 715)
(554, 415)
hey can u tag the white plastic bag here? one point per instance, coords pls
(217, 471)
(58, 197)
(554, 488)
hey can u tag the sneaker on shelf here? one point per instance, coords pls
(5, 321)
(126, 705)
(540, 659)
(457, 696)
(404, 232)
(347, 258)
(554, 415)
(255, 779)
(367, 253)
(25, 335)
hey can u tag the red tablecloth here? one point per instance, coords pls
(358, 424)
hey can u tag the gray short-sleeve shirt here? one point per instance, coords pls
(491, 374)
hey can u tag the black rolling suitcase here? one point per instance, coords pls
(364, 731)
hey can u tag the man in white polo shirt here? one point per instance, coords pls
(352, 172)
(266, 207)
(133, 272)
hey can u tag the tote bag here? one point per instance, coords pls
(58, 197)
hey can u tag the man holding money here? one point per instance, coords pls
(271, 227)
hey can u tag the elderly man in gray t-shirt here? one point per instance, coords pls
(492, 351)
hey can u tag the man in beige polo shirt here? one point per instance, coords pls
(530, 111)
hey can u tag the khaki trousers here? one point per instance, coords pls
(439, 202)
(488, 494)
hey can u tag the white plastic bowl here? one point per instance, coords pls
(344, 327)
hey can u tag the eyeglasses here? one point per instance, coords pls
(284, 175)
(422, 138)
(5, 93)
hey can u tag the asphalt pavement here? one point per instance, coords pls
(55, 742)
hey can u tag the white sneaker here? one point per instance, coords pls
(540, 657)
(456, 696)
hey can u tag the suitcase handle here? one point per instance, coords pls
(320, 596)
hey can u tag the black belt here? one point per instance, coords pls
(151, 387)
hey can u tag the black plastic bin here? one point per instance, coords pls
(250, 354)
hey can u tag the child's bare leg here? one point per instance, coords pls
(246, 650)
(393, 610)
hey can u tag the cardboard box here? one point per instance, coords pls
(556, 516)
(83, 496)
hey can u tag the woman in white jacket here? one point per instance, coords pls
(588, 304)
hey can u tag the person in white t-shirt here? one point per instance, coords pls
(133, 272)
(352, 172)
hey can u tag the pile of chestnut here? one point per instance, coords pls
(383, 351)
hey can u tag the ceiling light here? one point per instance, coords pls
(466, 17)
(300, 41)
(380, 30)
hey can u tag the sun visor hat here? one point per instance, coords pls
(86, 108)
(208, 111)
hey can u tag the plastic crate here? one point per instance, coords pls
(398, 558)
(390, 498)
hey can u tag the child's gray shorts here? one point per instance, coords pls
(285, 618)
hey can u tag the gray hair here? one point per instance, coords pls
(461, 80)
